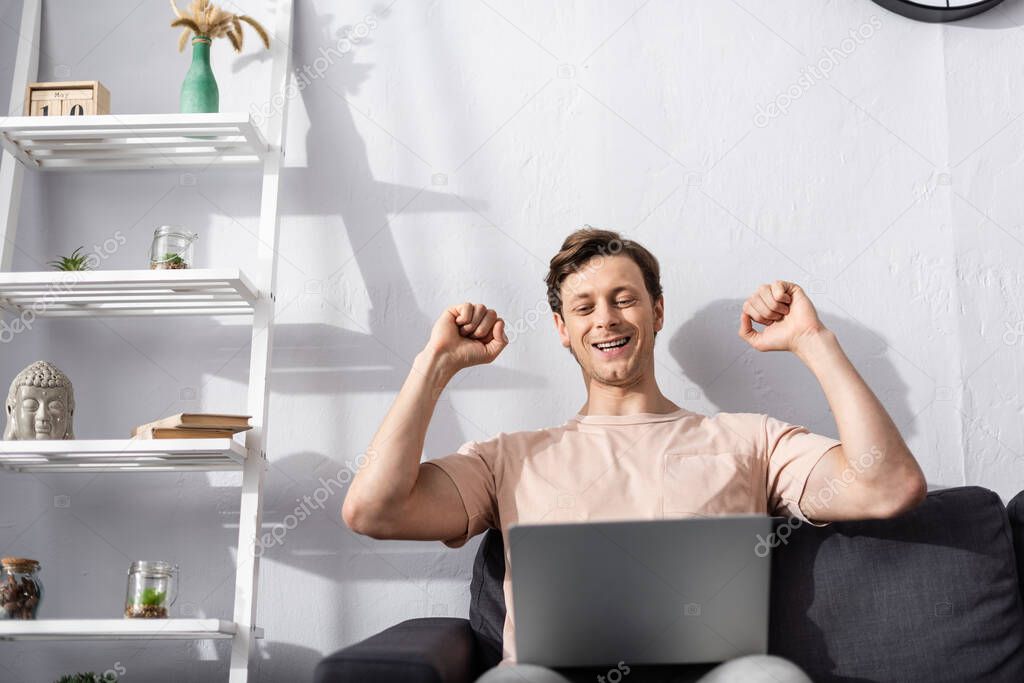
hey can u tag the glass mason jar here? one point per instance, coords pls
(152, 589)
(21, 591)
(172, 247)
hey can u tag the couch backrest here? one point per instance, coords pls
(932, 595)
(487, 597)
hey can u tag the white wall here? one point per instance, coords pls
(889, 189)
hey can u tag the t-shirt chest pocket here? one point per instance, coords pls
(709, 483)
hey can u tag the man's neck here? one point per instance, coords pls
(603, 402)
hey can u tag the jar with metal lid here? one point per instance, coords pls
(21, 591)
(152, 589)
(171, 248)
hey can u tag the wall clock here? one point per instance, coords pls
(938, 10)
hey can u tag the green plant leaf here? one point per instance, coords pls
(89, 677)
(73, 262)
(173, 258)
(152, 597)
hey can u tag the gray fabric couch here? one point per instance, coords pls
(933, 595)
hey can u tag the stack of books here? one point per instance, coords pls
(193, 426)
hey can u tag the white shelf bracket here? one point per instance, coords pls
(26, 69)
(250, 512)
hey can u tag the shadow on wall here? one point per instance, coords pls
(276, 661)
(338, 181)
(737, 378)
(318, 358)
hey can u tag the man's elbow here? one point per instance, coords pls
(361, 520)
(905, 499)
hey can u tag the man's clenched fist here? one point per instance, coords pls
(468, 334)
(786, 312)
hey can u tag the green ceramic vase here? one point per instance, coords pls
(199, 93)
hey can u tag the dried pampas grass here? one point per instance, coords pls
(205, 19)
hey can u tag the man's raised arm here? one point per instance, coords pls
(886, 479)
(393, 495)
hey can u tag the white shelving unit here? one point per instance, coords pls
(200, 291)
(133, 141)
(153, 141)
(122, 455)
(119, 629)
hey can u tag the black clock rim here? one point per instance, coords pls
(931, 14)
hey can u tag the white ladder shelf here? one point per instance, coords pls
(133, 141)
(153, 141)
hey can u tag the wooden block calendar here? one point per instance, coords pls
(66, 98)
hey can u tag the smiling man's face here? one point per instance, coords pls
(606, 301)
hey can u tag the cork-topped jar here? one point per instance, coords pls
(21, 591)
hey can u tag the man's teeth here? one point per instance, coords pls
(614, 344)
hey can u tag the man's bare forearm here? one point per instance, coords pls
(863, 423)
(392, 463)
(388, 497)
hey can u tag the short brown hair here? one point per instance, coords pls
(586, 243)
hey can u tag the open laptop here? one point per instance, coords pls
(644, 592)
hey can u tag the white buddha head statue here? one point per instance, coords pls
(40, 404)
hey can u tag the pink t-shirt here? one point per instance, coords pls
(619, 467)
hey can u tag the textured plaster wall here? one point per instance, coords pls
(443, 158)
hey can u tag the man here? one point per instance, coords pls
(630, 452)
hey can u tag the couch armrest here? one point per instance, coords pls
(1015, 512)
(430, 650)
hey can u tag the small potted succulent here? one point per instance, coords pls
(88, 677)
(75, 261)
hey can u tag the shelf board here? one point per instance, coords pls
(122, 455)
(189, 291)
(133, 141)
(118, 629)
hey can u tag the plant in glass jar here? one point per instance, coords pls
(172, 248)
(152, 588)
